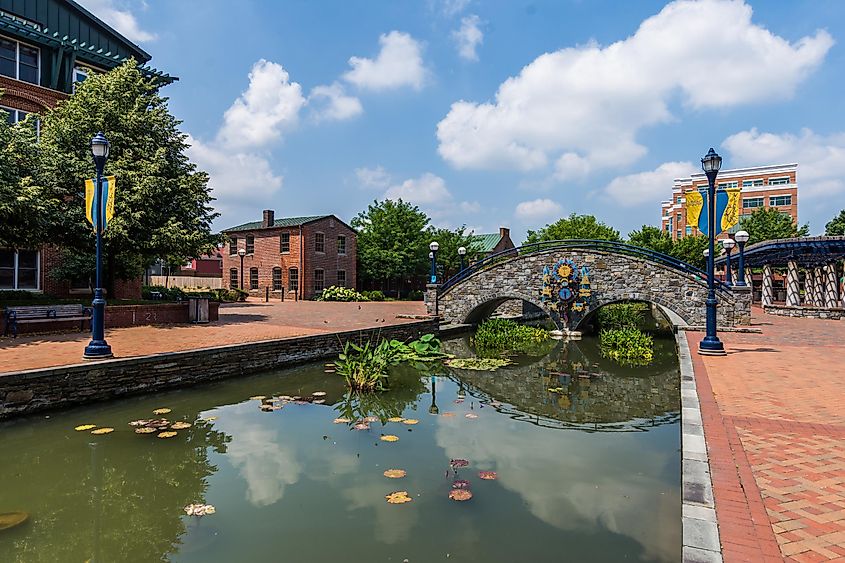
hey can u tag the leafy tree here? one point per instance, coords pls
(448, 259)
(768, 224)
(575, 226)
(653, 238)
(21, 203)
(836, 226)
(162, 202)
(691, 250)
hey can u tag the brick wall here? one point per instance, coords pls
(267, 256)
(51, 258)
(329, 261)
(28, 97)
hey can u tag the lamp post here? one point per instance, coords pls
(434, 247)
(242, 253)
(462, 252)
(98, 347)
(741, 238)
(711, 345)
(433, 409)
(728, 244)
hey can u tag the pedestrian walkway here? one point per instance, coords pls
(239, 323)
(774, 418)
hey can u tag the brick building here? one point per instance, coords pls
(768, 187)
(295, 257)
(46, 48)
(484, 245)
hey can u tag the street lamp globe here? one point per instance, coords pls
(711, 162)
(100, 146)
(462, 251)
(706, 252)
(742, 237)
(728, 244)
(434, 247)
(241, 252)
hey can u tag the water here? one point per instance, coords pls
(591, 473)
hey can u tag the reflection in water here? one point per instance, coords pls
(290, 483)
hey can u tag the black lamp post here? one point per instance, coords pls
(741, 238)
(242, 253)
(728, 244)
(711, 345)
(433, 409)
(462, 252)
(433, 255)
(98, 347)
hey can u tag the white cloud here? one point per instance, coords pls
(453, 7)
(469, 37)
(122, 20)
(820, 158)
(583, 106)
(428, 189)
(647, 187)
(332, 103)
(543, 208)
(399, 63)
(376, 177)
(270, 104)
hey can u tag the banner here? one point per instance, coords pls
(727, 209)
(107, 201)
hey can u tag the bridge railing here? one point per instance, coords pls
(579, 244)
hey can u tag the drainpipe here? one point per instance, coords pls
(301, 271)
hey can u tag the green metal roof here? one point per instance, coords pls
(485, 243)
(283, 222)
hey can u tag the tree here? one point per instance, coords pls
(653, 238)
(448, 259)
(162, 202)
(21, 203)
(577, 227)
(691, 250)
(836, 226)
(769, 224)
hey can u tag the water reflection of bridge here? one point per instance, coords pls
(592, 393)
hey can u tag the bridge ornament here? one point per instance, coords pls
(566, 291)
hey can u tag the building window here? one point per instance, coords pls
(16, 116)
(277, 279)
(671, 224)
(250, 244)
(751, 202)
(319, 242)
(79, 75)
(755, 183)
(341, 244)
(253, 278)
(341, 278)
(678, 233)
(233, 246)
(678, 218)
(19, 61)
(726, 185)
(19, 269)
(284, 243)
(233, 278)
(293, 280)
(319, 280)
(689, 231)
(778, 181)
(777, 200)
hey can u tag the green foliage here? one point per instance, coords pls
(622, 315)
(691, 250)
(338, 293)
(652, 238)
(416, 295)
(367, 367)
(575, 227)
(167, 293)
(231, 295)
(628, 346)
(448, 259)
(23, 213)
(373, 295)
(478, 364)
(768, 224)
(497, 336)
(836, 226)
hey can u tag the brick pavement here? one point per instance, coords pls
(775, 424)
(243, 322)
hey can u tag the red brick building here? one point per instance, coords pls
(295, 257)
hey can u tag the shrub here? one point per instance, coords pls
(416, 295)
(167, 293)
(628, 346)
(231, 295)
(495, 336)
(622, 315)
(366, 368)
(337, 293)
(373, 295)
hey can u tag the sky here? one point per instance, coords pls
(495, 113)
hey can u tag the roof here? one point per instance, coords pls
(485, 242)
(140, 54)
(807, 252)
(283, 222)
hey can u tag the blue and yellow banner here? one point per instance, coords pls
(107, 201)
(727, 209)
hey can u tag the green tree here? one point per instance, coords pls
(836, 226)
(448, 259)
(651, 237)
(769, 224)
(393, 238)
(21, 203)
(691, 250)
(575, 226)
(162, 202)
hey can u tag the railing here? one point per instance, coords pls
(579, 244)
(187, 281)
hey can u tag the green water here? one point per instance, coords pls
(591, 473)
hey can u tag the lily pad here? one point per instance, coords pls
(470, 415)
(84, 427)
(99, 431)
(460, 484)
(395, 473)
(398, 497)
(145, 430)
(478, 364)
(410, 421)
(456, 463)
(142, 422)
(257, 398)
(447, 414)
(361, 426)
(180, 425)
(200, 509)
(460, 495)
(342, 420)
(317, 402)
(395, 419)
(371, 419)
(161, 411)
(487, 475)
(389, 438)
(209, 418)
(167, 434)
(12, 519)
(318, 394)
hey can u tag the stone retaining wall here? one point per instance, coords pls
(831, 313)
(32, 391)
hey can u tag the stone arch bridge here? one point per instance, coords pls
(571, 279)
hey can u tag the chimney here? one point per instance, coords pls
(269, 218)
(504, 232)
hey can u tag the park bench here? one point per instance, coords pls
(44, 314)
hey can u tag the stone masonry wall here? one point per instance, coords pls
(32, 391)
(831, 313)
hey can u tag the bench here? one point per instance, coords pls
(45, 314)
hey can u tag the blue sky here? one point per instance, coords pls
(490, 114)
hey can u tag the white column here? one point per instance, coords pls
(767, 285)
(793, 294)
(818, 296)
(831, 294)
(809, 287)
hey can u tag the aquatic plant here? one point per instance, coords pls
(367, 367)
(478, 364)
(497, 336)
(622, 315)
(628, 346)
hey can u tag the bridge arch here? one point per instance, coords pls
(484, 305)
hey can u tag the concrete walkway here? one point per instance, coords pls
(774, 418)
(239, 323)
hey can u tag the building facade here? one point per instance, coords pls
(767, 187)
(292, 257)
(484, 245)
(46, 48)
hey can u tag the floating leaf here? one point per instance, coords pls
(456, 463)
(395, 473)
(257, 398)
(266, 408)
(458, 401)
(389, 438)
(180, 425)
(410, 421)
(159, 423)
(341, 420)
(12, 519)
(371, 419)
(319, 394)
(145, 430)
(209, 418)
(460, 484)
(470, 415)
(398, 497)
(85, 427)
(395, 419)
(447, 414)
(478, 364)
(142, 422)
(361, 426)
(161, 411)
(487, 475)
(167, 434)
(99, 431)
(460, 495)
(317, 402)
(199, 509)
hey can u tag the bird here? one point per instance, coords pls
(325, 321)
(359, 307)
